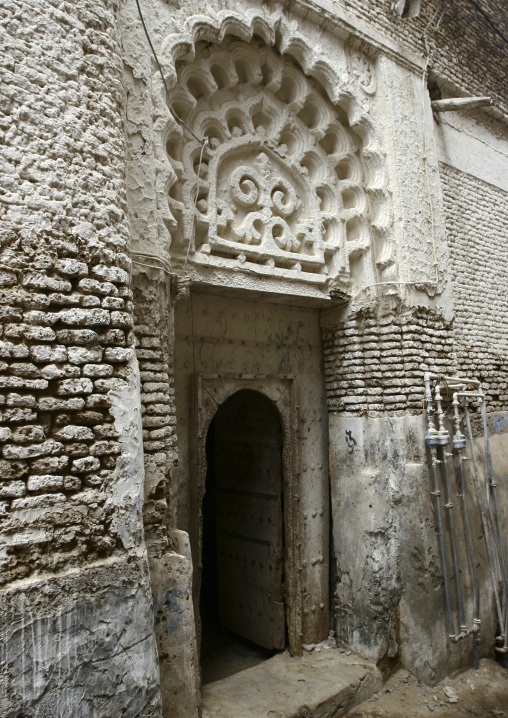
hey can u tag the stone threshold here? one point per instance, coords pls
(316, 685)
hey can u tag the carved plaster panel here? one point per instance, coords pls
(292, 185)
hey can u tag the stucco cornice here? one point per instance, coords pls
(338, 20)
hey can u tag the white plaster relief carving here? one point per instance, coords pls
(311, 202)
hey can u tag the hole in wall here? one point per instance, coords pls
(242, 70)
(267, 73)
(349, 199)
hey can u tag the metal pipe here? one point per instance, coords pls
(444, 442)
(461, 380)
(492, 485)
(465, 633)
(437, 494)
(453, 104)
(482, 512)
(432, 441)
(459, 443)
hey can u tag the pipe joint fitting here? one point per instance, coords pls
(464, 633)
(459, 441)
(443, 437)
(432, 438)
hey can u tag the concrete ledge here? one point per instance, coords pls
(316, 685)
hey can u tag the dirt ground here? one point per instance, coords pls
(482, 693)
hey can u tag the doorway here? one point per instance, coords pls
(242, 598)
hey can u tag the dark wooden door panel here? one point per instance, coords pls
(248, 466)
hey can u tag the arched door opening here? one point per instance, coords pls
(242, 604)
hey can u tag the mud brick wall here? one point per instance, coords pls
(468, 52)
(476, 219)
(153, 325)
(375, 360)
(65, 297)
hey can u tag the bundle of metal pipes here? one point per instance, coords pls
(453, 457)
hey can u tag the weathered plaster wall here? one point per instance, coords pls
(73, 180)
(71, 479)
(389, 596)
(80, 644)
(389, 349)
(171, 569)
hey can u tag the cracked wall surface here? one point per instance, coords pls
(74, 567)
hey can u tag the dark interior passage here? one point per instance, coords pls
(242, 583)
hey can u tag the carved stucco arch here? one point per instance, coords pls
(346, 93)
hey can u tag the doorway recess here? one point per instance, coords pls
(242, 603)
(246, 460)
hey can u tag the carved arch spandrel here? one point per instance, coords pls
(211, 392)
(357, 230)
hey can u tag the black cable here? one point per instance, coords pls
(203, 141)
(487, 18)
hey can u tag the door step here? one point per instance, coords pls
(315, 685)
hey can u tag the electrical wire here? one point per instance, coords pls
(163, 265)
(152, 266)
(487, 18)
(152, 256)
(204, 142)
(171, 108)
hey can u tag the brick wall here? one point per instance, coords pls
(153, 347)
(469, 54)
(476, 220)
(65, 297)
(375, 360)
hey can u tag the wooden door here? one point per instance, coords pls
(250, 542)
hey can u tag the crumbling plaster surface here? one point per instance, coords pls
(171, 576)
(473, 142)
(321, 37)
(80, 644)
(389, 595)
(418, 207)
(77, 619)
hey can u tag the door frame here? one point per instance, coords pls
(211, 391)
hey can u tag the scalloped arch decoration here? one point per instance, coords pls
(294, 185)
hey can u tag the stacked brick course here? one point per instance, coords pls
(65, 298)
(375, 363)
(157, 406)
(476, 220)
